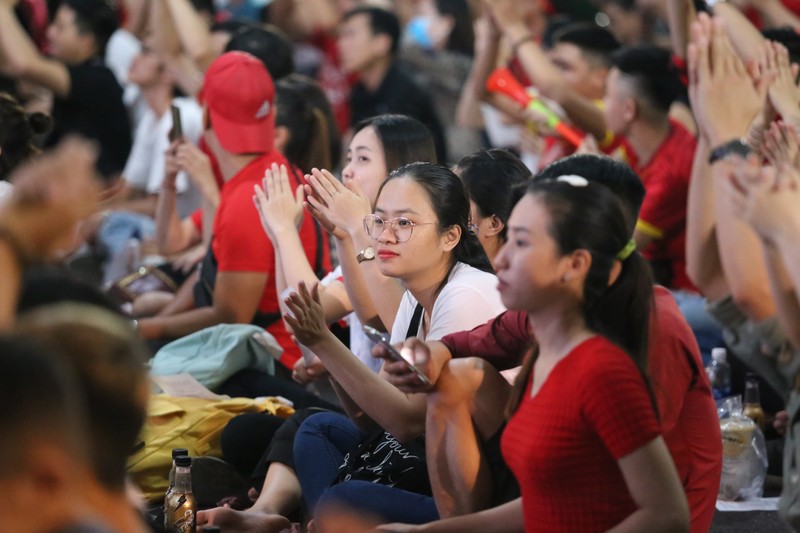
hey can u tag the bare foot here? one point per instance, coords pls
(232, 521)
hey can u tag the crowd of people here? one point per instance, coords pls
(495, 240)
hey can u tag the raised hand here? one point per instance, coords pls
(784, 93)
(782, 146)
(766, 197)
(306, 317)
(197, 165)
(724, 99)
(340, 206)
(279, 208)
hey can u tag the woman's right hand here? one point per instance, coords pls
(344, 207)
(398, 374)
(279, 208)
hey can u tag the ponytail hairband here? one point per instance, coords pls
(627, 251)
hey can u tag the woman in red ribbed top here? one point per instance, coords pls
(584, 439)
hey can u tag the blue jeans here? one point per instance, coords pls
(706, 330)
(121, 226)
(319, 449)
(320, 446)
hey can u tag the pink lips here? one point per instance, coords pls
(386, 254)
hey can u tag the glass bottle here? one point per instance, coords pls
(180, 507)
(752, 401)
(176, 452)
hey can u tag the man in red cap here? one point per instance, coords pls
(237, 277)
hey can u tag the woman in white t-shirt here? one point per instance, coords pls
(421, 237)
(379, 145)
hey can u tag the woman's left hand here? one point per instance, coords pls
(306, 317)
(344, 207)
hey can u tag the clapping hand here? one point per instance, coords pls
(767, 197)
(339, 208)
(724, 98)
(279, 208)
(306, 317)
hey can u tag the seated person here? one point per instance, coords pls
(87, 97)
(495, 180)
(236, 284)
(427, 246)
(583, 438)
(681, 387)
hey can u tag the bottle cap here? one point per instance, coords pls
(718, 354)
(183, 460)
(177, 452)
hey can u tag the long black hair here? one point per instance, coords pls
(495, 180)
(451, 205)
(404, 139)
(314, 140)
(590, 217)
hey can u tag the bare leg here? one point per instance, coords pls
(279, 497)
(465, 410)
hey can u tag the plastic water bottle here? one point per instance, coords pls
(719, 374)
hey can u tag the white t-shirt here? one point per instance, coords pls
(145, 166)
(360, 344)
(122, 47)
(469, 299)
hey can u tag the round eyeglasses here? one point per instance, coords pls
(401, 227)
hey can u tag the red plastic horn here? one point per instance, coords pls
(503, 81)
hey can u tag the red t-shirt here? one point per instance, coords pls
(686, 409)
(241, 245)
(197, 220)
(563, 444)
(663, 214)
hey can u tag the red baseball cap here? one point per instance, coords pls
(239, 95)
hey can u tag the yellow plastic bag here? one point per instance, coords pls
(191, 423)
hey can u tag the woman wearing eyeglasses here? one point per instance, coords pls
(380, 144)
(420, 235)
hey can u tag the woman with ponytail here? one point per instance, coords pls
(583, 438)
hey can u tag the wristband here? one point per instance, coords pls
(735, 146)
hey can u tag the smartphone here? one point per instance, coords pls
(383, 338)
(177, 127)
